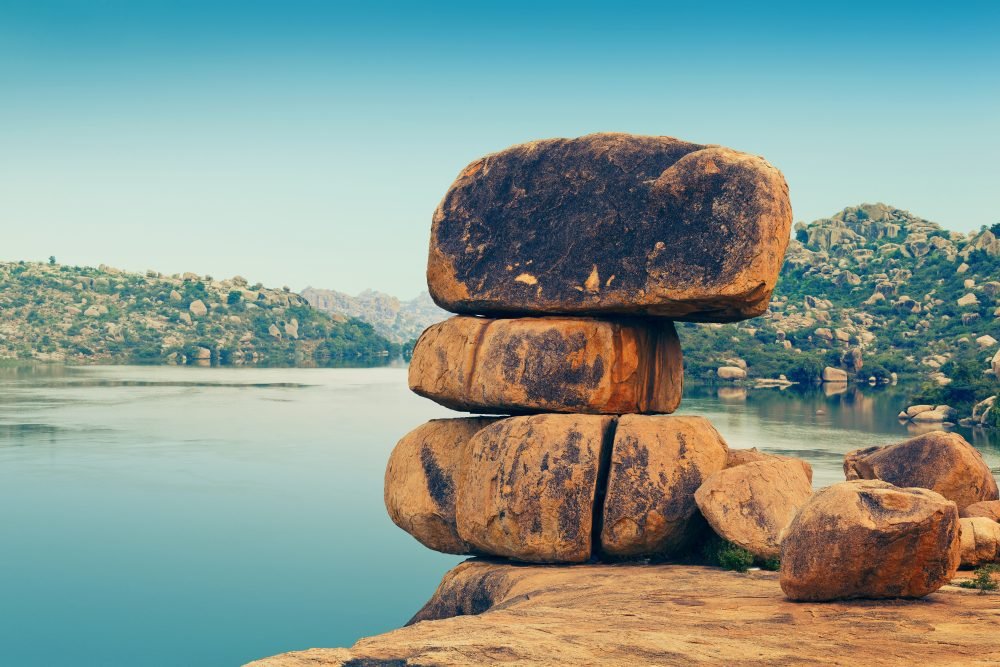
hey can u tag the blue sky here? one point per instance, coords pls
(307, 143)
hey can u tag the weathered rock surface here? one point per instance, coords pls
(941, 461)
(870, 539)
(751, 505)
(486, 614)
(421, 481)
(549, 365)
(738, 457)
(530, 485)
(657, 463)
(731, 373)
(831, 374)
(611, 223)
(988, 508)
(980, 541)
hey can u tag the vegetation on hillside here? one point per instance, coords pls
(874, 290)
(86, 315)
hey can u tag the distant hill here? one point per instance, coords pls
(875, 290)
(399, 321)
(92, 315)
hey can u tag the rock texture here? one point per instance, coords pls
(738, 457)
(530, 486)
(751, 505)
(619, 224)
(980, 541)
(941, 461)
(870, 539)
(657, 463)
(988, 508)
(491, 614)
(549, 365)
(421, 481)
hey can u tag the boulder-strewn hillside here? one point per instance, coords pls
(399, 321)
(874, 290)
(87, 315)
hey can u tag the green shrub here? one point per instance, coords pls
(727, 555)
(982, 579)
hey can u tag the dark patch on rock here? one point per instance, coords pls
(439, 485)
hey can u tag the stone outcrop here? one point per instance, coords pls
(738, 457)
(529, 487)
(611, 224)
(422, 479)
(941, 461)
(494, 613)
(656, 465)
(870, 539)
(831, 374)
(752, 504)
(549, 365)
(980, 541)
(987, 508)
(731, 373)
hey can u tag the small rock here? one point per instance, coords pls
(731, 373)
(980, 541)
(751, 505)
(987, 508)
(940, 461)
(198, 308)
(870, 539)
(831, 374)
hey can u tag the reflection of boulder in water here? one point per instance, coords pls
(919, 428)
(733, 394)
(834, 388)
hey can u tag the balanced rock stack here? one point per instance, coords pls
(567, 261)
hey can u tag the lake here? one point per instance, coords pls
(210, 516)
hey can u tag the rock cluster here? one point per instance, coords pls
(566, 262)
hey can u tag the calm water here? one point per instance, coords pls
(201, 516)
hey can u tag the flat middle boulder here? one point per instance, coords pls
(611, 224)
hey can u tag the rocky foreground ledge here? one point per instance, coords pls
(487, 613)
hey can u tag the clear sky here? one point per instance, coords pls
(307, 143)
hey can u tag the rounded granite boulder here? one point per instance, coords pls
(656, 465)
(751, 505)
(421, 481)
(980, 541)
(611, 224)
(549, 364)
(870, 539)
(529, 487)
(987, 508)
(940, 461)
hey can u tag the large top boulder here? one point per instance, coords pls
(940, 461)
(611, 224)
(870, 539)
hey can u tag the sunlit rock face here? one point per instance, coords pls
(611, 224)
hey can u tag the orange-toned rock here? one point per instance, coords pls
(940, 461)
(611, 224)
(870, 539)
(420, 481)
(549, 365)
(980, 541)
(529, 487)
(987, 508)
(751, 505)
(657, 463)
(738, 457)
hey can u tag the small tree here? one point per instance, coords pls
(52, 259)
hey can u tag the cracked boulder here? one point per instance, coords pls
(549, 365)
(611, 224)
(657, 464)
(940, 461)
(751, 505)
(529, 487)
(870, 539)
(421, 481)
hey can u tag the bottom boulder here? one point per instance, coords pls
(870, 539)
